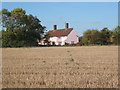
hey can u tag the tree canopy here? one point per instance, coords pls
(102, 37)
(20, 29)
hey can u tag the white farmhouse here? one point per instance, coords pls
(62, 36)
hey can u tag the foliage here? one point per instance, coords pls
(102, 37)
(20, 29)
(105, 36)
(116, 35)
(91, 37)
(47, 36)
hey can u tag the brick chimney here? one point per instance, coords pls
(55, 27)
(66, 25)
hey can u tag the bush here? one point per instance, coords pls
(79, 44)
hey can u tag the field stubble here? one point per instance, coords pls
(60, 67)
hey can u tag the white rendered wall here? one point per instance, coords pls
(72, 37)
(58, 39)
(53, 39)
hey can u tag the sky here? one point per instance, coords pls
(80, 15)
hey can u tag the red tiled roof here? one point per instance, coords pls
(59, 32)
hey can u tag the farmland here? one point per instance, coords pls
(60, 67)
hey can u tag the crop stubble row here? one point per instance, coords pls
(59, 67)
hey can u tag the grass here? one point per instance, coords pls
(60, 46)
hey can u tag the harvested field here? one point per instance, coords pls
(59, 67)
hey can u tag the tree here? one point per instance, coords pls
(86, 37)
(106, 36)
(20, 29)
(91, 37)
(47, 36)
(116, 35)
(103, 37)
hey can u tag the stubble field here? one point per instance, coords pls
(60, 67)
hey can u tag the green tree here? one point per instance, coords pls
(116, 35)
(106, 36)
(20, 29)
(47, 36)
(91, 37)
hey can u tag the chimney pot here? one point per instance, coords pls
(67, 25)
(55, 27)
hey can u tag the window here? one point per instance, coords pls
(59, 43)
(72, 42)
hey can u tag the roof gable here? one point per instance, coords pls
(59, 32)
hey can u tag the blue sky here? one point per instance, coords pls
(80, 15)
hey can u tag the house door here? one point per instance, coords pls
(53, 43)
(72, 42)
